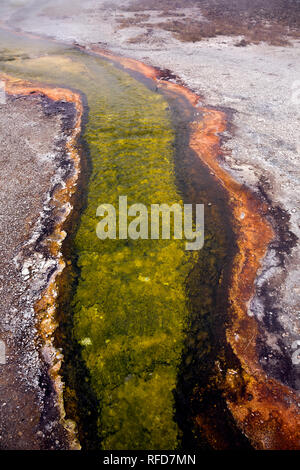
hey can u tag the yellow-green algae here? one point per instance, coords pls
(130, 303)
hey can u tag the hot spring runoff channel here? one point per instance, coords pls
(141, 322)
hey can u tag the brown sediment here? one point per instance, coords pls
(45, 307)
(264, 409)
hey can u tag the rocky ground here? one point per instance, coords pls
(32, 146)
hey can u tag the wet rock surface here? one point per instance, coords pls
(33, 132)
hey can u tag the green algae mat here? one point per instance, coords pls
(130, 305)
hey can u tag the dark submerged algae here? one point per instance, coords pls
(201, 409)
(136, 305)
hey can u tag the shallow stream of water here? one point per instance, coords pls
(141, 322)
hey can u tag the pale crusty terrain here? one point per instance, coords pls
(31, 155)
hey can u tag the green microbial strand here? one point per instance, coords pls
(129, 308)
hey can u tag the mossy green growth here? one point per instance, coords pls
(130, 304)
